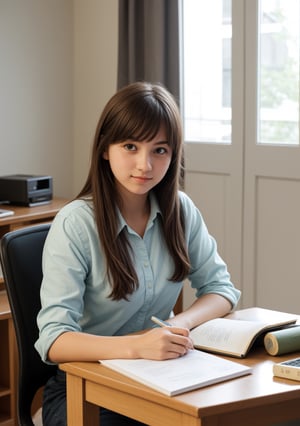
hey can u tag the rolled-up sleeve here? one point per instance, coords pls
(62, 291)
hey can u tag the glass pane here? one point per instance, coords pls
(207, 70)
(278, 72)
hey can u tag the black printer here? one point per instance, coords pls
(25, 190)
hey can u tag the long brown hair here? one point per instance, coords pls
(136, 112)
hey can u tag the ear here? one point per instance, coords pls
(105, 155)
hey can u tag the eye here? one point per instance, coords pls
(130, 147)
(161, 150)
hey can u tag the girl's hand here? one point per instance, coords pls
(162, 343)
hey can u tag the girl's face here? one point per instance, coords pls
(139, 166)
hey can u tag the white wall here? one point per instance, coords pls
(58, 65)
(36, 89)
(95, 73)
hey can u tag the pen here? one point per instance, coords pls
(160, 322)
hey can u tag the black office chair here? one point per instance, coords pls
(21, 259)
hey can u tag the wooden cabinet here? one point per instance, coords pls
(23, 216)
(7, 364)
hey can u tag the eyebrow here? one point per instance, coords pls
(161, 143)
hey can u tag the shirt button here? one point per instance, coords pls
(146, 264)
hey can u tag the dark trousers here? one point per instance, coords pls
(54, 406)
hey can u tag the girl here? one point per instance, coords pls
(120, 251)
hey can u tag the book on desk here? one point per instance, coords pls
(235, 334)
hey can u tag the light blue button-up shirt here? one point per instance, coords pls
(75, 288)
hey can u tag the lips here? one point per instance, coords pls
(142, 178)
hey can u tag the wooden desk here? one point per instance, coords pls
(258, 399)
(24, 216)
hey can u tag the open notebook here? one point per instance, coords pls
(194, 370)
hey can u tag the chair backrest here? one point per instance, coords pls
(21, 259)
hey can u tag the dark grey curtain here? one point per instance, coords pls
(149, 43)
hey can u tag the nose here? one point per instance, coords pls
(144, 162)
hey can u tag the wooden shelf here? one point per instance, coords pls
(4, 391)
(23, 216)
(7, 364)
(6, 420)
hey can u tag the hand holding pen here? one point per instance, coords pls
(187, 344)
(164, 342)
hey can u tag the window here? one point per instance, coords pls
(278, 72)
(207, 70)
(207, 66)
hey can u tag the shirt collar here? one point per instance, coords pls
(154, 211)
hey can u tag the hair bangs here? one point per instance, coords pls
(147, 128)
(141, 120)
